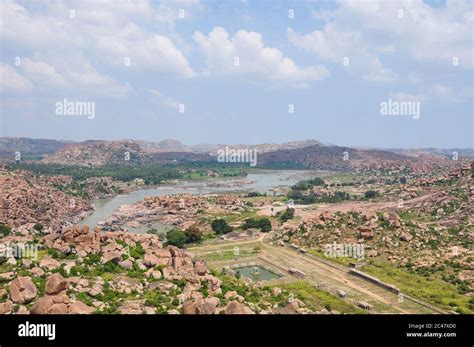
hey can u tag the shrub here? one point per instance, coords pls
(176, 238)
(5, 229)
(288, 214)
(220, 226)
(38, 227)
(371, 194)
(137, 251)
(263, 224)
(193, 234)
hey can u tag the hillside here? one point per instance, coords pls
(28, 147)
(96, 153)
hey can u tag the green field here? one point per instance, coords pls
(432, 289)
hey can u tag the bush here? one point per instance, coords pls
(5, 230)
(193, 234)
(371, 194)
(288, 214)
(176, 238)
(403, 180)
(263, 224)
(137, 251)
(220, 226)
(38, 227)
(308, 184)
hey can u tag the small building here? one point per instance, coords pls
(365, 305)
(296, 272)
(341, 293)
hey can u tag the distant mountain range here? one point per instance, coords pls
(301, 154)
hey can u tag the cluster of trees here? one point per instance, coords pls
(255, 194)
(151, 174)
(178, 238)
(308, 184)
(262, 223)
(305, 199)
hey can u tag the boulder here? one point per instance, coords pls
(276, 291)
(22, 290)
(49, 263)
(235, 307)
(233, 295)
(200, 268)
(42, 305)
(50, 305)
(55, 283)
(126, 264)
(37, 272)
(6, 307)
(79, 307)
(404, 236)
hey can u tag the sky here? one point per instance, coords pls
(240, 71)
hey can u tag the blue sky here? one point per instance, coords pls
(334, 61)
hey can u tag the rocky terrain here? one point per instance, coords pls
(78, 271)
(97, 153)
(177, 211)
(27, 199)
(425, 226)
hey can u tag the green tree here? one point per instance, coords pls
(5, 229)
(193, 234)
(370, 194)
(263, 224)
(38, 227)
(288, 214)
(176, 238)
(220, 226)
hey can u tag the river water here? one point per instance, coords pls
(264, 181)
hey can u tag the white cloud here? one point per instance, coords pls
(12, 81)
(343, 47)
(447, 93)
(42, 73)
(436, 93)
(401, 96)
(165, 100)
(106, 31)
(245, 55)
(86, 78)
(408, 30)
(39, 76)
(155, 52)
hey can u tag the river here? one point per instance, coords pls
(263, 181)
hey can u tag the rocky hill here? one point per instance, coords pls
(28, 147)
(329, 158)
(167, 145)
(96, 153)
(27, 199)
(261, 148)
(297, 154)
